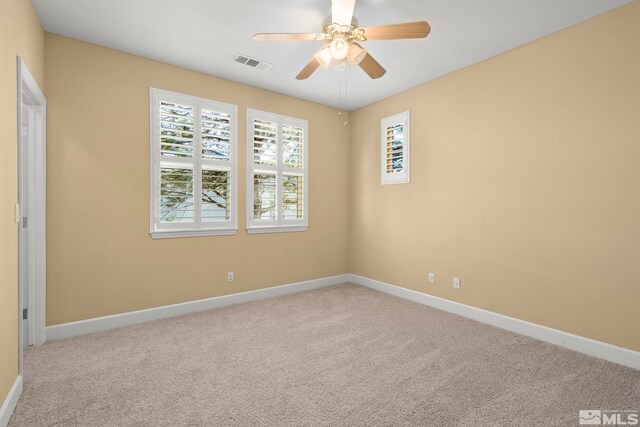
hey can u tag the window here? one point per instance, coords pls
(394, 134)
(193, 166)
(277, 183)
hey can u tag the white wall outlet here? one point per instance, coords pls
(456, 282)
(230, 276)
(432, 277)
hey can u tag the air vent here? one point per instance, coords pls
(251, 62)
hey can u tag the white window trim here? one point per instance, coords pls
(197, 228)
(280, 225)
(395, 178)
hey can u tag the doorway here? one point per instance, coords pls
(25, 272)
(30, 211)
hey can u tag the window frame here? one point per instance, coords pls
(279, 225)
(198, 227)
(405, 176)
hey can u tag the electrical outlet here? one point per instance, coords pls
(432, 277)
(230, 276)
(456, 282)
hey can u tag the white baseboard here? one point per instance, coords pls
(577, 343)
(10, 402)
(584, 345)
(72, 329)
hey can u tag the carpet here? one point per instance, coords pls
(343, 355)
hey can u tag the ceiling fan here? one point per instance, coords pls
(342, 36)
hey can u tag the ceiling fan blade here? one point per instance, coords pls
(408, 30)
(342, 11)
(372, 67)
(308, 69)
(284, 36)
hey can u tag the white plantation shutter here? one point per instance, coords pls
(216, 200)
(176, 195)
(265, 202)
(293, 146)
(293, 172)
(293, 197)
(276, 173)
(176, 129)
(193, 166)
(216, 135)
(394, 138)
(265, 136)
(395, 160)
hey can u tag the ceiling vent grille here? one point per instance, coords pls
(251, 62)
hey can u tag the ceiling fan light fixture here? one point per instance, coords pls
(339, 47)
(323, 56)
(356, 54)
(341, 32)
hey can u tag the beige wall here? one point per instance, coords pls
(101, 259)
(20, 35)
(524, 182)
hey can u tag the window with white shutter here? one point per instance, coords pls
(395, 160)
(193, 166)
(277, 163)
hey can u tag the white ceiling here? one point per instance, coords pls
(204, 35)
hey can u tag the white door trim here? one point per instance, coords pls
(29, 93)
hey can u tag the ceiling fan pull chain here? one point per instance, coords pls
(346, 95)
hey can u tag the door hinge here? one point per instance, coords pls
(24, 222)
(24, 314)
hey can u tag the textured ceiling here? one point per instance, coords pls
(204, 35)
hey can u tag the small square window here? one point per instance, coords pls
(394, 138)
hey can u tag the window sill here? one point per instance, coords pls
(261, 230)
(192, 233)
(391, 180)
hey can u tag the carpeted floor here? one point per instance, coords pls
(341, 356)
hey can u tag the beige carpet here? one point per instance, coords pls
(340, 356)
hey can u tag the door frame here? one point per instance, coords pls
(29, 93)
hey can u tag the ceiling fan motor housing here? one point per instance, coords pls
(350, 32)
